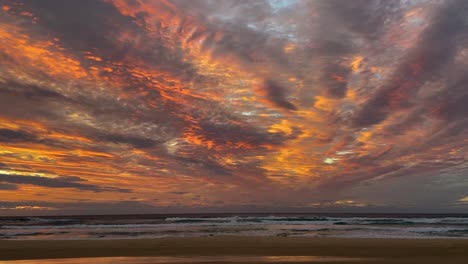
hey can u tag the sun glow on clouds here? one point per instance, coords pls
(181, 104)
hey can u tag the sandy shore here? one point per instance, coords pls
(371, 250)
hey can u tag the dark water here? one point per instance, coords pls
(314, 225)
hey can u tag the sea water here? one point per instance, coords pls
(311, 225)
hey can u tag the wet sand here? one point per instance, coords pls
(338, 250)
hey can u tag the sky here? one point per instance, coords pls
(178, 106)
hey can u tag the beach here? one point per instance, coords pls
(354, 250)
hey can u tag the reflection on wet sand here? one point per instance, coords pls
(175, 260)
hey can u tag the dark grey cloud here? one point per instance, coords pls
(334, 78)
(356, 26)
(58, 182)
(8, 187)
(66, 20)
(347, 179)
(231, 136)
(202, 164)
(365, 17)
(29, 91)
(276, 94)
(137, 142)
(453, 107)
(8, 135)
(435, 48)
(37, 102)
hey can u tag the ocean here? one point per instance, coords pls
(199, 225)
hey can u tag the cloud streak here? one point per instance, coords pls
(58, 182)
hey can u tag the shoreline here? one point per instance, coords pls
(379, 248)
